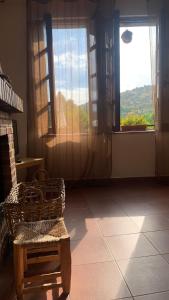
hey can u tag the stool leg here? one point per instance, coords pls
(66, 265)
(19, 270)
(25, 260)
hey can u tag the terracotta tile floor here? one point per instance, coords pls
(119, 243)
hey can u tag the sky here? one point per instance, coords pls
(135, 59)
(71, 63)
(70, 60)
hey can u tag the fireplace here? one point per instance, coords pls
(9, 103)
(5, 169)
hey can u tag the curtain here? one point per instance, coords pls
(71, 87)
(154, 58)
(162, 105)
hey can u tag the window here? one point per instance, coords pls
(71, 77)
(137, 64)
(68, 76)
(72, 69)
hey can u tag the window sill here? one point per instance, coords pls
(134, 131)
(50, 135)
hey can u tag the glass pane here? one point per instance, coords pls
(49, 116)
(136, 76)
(71, 78)
(45, 36)
(93, 90)
(47, 64)
(92, 56)
(48, 90)
(92, 35)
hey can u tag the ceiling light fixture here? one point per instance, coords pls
(127, 36)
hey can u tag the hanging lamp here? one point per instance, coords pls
(127, 36)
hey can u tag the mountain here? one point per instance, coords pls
(137, 101)
(73, 117)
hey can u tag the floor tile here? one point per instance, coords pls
(106, 209)
(89, 250)
(77, 214)
(138, 208)
(80, 229)
(101, 281)
(161, 206)
(166, 257)
(98, 194)
(128, 246)
(157, 296)
(152, 222)
(117, 225)
(160, 240)
(75, 199)
(7, 280)
(80, 223)
(146, 275)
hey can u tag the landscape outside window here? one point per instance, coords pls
(136, 103)
(71, 79)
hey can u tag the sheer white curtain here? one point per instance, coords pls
(80, 145)
(162, 103)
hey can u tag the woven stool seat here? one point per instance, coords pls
(40, 233)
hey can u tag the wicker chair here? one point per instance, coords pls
(38, 237)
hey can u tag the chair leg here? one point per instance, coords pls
(19, 270)
(66, 265)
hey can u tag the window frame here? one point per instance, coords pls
(50, 24)
(51, 76)
(125, 21)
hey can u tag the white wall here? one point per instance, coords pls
(13, 56)
(133, 154)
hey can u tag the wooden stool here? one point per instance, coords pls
(40, 242)
(39, 236)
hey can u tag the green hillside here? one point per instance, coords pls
(135, 105)
(138, 101)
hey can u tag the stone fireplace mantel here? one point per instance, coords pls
(9, 100)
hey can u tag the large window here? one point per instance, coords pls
(68, 79)
(136, 74)
(72, 75)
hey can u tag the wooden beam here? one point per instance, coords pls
(47, 286)
(42, 259)
(41, 277)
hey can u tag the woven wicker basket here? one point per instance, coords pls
(26, 203)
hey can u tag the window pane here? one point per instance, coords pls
(45, 36)
(71, 78)
(48, 90)
(92, 35)
(92, 56)
(93, 90)
(49, 116)
(137, 70)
